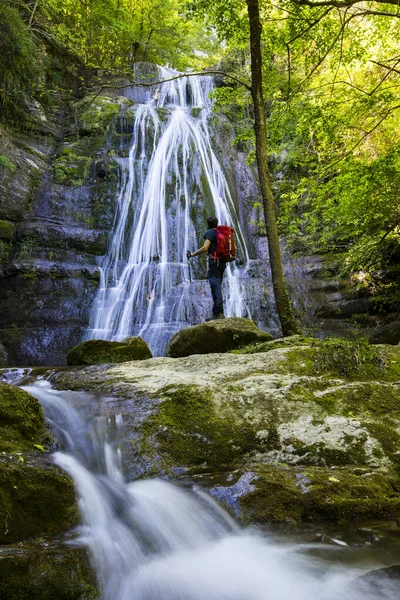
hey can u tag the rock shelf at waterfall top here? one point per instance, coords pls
(283, 430)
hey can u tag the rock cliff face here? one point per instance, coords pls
(291, 429)
(57, 204)
(58, 195)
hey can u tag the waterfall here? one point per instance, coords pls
(170, 174)
(152, 540)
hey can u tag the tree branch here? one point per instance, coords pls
(342, 3)
(362, 138)
(136, 84)
(386, 66)
(152, 84)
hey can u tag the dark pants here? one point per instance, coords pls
(215, 274)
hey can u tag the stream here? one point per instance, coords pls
(156, 540)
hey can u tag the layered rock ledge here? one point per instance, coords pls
(290, 429)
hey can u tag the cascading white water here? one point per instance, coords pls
(145, 280)
(150, 540)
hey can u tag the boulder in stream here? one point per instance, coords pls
(36, 497)
(97, 352)
(45, 572)
(221, 335)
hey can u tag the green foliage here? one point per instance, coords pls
(6, 163)
(331, 89)
(20, 62)
(115, 34)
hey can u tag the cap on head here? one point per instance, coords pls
(212, 222)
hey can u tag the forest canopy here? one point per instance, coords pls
(331, 73)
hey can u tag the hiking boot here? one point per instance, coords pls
(215, 317)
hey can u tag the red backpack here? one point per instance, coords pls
(226, 247)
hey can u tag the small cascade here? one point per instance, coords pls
(170, 182)
(151, 540)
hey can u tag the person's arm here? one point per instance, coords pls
(201, 250)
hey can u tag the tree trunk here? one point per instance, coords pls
(283, 305)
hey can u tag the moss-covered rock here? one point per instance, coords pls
(7, 230)
(313, 426)
(36, 498)
(70, 168)
(22, 422)
(220, 335)
(285, 342)
(39, 573)
(190, 430)
(94, 352)
(287, 494)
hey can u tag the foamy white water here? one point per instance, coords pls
(145, 282)
(151, 540)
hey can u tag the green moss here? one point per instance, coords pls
(189, 429)
(95, 114)
(377, 400)
(337, 358)
(47, 574)
(286, 342)
(342, 496)
(319, 454)
(7, 230)
(71, 169)
(275, 498)
(6, 163)
(22, 422)
(35, 500)
(215, 336)
(312, 493)
(300, 361)
(389, 439)
(26, 247)
(195, 112)
(350, 359)
(96, 352)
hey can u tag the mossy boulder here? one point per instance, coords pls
(96, 352)
(36, 498)
(297, 494)
(22, 422)
(221, 335)
(38, 572)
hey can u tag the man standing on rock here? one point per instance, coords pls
(216, 267)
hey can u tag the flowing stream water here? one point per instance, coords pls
(170, 182)
(152, 540)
